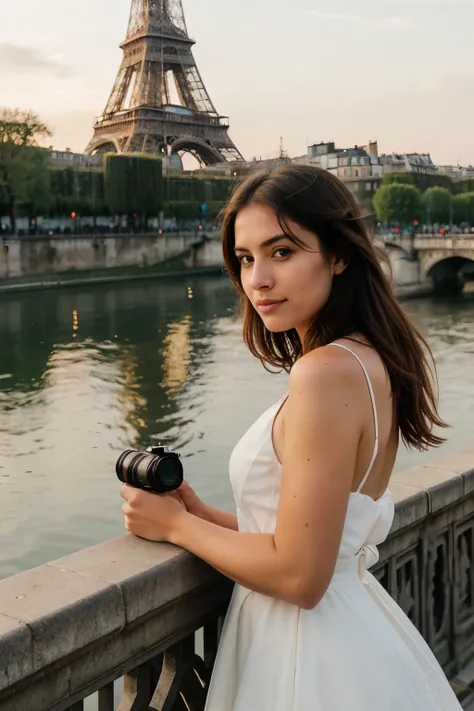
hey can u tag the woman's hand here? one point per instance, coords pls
(194, 505)
(151, 516)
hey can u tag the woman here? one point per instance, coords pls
(309, 629)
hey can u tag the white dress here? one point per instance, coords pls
(356, 650)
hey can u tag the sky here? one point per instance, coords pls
(400, 72)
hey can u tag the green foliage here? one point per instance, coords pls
(402, 178)
(77, 190)
(419, 180)
(213, 209)
(202, 190)
(183, 209)
(464, 186)
(24, 168)
(33, 181)
(463, 208)
(436, 203)
(25, 183)
(21, 128)
(424, 182)
(397, 204)
(133, 184)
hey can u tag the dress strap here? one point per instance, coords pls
(374, 408)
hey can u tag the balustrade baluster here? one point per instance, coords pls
(106, 698)
(137, 689)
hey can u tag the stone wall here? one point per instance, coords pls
(206, 254)
(405, 270)
(134, 608)
(38, 256)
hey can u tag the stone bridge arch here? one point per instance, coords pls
(444, 269)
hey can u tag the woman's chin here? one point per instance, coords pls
(277, 325)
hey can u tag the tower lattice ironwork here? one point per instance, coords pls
(159, 103)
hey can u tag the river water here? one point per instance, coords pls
(87, 372)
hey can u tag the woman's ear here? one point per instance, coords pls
(339, 266)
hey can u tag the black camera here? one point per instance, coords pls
(157, 468)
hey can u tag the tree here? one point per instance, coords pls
(424, 182)
(437, 205)
(419, 180)
(33, 181)
(466, 185)
(398, 204)
(77, 190)
(463, 208)
(183, 209)
(23, 174)
(402, 178)
(133, 184)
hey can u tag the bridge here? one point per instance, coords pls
(448, 260)
(136, 624)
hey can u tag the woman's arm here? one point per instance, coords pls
(218, 517)
(323, 424)
(322, 418)
(197, 507)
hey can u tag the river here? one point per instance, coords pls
(87, 372)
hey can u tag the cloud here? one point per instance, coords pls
(18, 59)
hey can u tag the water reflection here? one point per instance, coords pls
(448, 325)
(86, 373)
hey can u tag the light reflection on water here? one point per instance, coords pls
(87, 373)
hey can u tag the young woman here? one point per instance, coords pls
(309, 629)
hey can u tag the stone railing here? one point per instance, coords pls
(152, 614)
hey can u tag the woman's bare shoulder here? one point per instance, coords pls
(325, 366)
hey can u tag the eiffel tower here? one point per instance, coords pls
(159, 103)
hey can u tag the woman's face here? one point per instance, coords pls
(287, 284)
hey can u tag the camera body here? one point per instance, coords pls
(157, 469)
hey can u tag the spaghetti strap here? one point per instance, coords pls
(374, 408)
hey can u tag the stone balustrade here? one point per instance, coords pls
(152, 613)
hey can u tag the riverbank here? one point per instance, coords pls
(174, 268)
(109, 276)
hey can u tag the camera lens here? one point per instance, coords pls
(124, 462)
(146, 470)
(166, 473)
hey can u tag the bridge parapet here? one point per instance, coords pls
(441, 259)
(152, 613)
(465, 242)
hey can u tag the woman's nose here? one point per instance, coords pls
(262, 276)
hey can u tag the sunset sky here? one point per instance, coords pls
(400, 72)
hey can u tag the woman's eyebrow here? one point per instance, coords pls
(266, 243)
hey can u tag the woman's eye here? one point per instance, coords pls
(282, 252)
(245, 259)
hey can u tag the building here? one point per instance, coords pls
(457, 172)
(420, 163)
(68, 159)
(358, 166)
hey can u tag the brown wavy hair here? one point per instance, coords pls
(361, 302)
